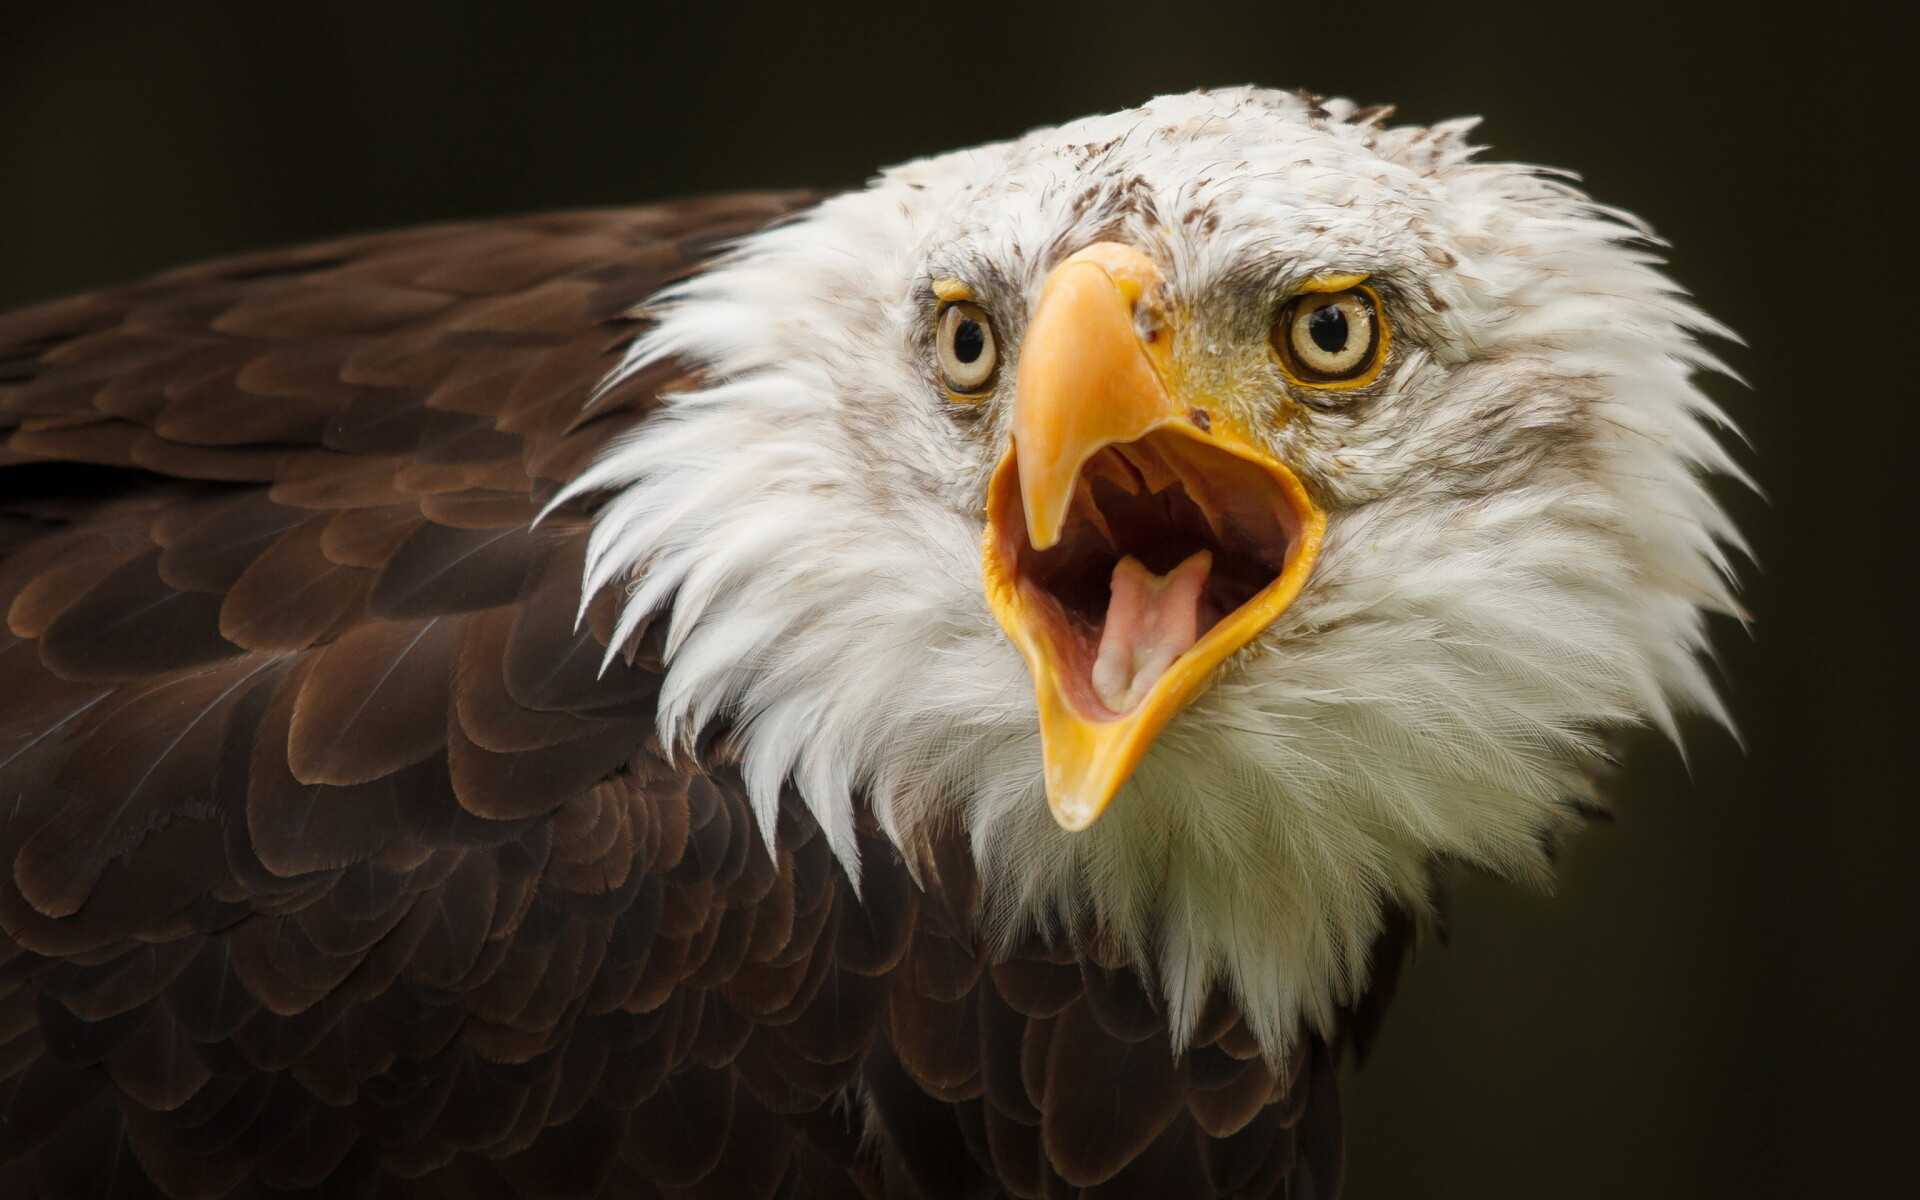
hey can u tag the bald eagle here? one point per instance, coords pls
(954, 689)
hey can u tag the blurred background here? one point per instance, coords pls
(1719, 1000)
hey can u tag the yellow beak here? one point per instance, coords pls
(1092, 406)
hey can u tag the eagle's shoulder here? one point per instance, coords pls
(293, 494)
(312, 774)
(444, 351)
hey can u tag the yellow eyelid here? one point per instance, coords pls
(1335, 283)
(1383, 334)
(951, 291)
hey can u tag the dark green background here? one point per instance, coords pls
(1718, 1002)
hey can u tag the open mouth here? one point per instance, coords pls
(1166, 539)
(1137, 534)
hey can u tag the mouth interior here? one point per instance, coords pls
(1165, 538)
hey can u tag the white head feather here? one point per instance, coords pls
(1520, 549)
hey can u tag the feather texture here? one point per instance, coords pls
(1522, 544)
(345, 861)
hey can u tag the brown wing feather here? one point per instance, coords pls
(338, 864)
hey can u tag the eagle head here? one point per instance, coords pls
(1215, 513)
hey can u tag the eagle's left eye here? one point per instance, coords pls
(1331, 338)
(968, 353)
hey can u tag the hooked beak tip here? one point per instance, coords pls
(1075, 813)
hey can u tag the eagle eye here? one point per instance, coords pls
(1331, 338)
(969, 356)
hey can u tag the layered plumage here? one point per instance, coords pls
(368, 836)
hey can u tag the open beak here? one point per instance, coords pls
(1135, 538)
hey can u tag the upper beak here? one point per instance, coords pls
(1083, 579)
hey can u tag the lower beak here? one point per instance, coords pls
(1134, 539)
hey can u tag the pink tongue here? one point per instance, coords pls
(1151, 620)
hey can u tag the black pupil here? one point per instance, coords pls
(969, 339)
(1328, 328)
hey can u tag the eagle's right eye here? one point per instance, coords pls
(968, 354)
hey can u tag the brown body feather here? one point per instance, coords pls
(336, 866)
